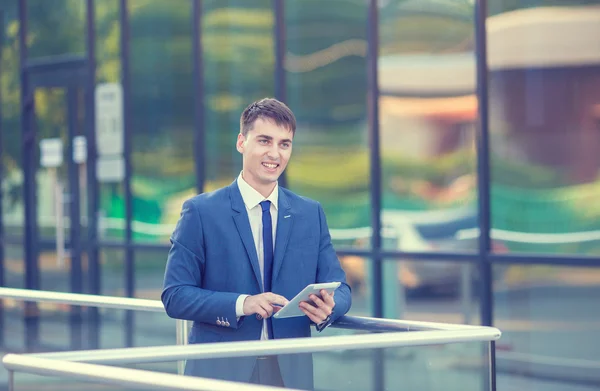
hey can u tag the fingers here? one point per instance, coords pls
(310, 315)
(325, 305)
(267, 308)
(262, 309)
(328, 298)
(267, 303)
(316, 314)
(276, 299)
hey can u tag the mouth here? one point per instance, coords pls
(270, 166)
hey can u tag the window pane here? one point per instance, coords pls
(545, 128)
(237, 39)
(162, 98)
(112, 327)
(12, 171)
(359, 275)
(56, 27)
(326, 89)
(111, 216)
(151, 328)
(14, 266)
(549, 317)
(431, 291)
(428, 112)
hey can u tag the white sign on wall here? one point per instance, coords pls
(51, 152)
(110, 169)
(109, 119)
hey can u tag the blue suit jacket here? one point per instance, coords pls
(213, 260)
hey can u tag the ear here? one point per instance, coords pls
(239, 145)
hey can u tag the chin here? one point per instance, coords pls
(270, 178)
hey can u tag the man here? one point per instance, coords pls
(240, 252)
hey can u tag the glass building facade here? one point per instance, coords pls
(454, 146)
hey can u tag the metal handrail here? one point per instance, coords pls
(126, 303)
(274, 347)
(123, 303)
(136, 378)
(382, 325)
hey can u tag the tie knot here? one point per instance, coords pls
(265, 205)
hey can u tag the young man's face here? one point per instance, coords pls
(266, 150)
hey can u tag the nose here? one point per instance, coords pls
(273, 152)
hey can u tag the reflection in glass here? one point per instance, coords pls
(237, 39)
(13, 332)
(162, 117)
(11, 141)
(112, 265)
(151, 328)
(149, 271)
(111, 222)
(53, 217)
(550, 318)
(359, 276)
(545, 127)
(431, 291)
(449, 367)
(326, 88)
(112, 281)
(11, 156)
(14, 266)
(55, 27)
(27, 381)
(428, 110)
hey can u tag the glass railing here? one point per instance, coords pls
(38, 321)
(357, 353)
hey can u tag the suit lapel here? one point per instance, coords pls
(242, 224)
(285, 220)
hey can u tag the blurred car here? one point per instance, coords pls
(447, 231)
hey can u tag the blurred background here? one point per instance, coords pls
(454, 145)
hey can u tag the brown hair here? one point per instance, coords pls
(268, 109)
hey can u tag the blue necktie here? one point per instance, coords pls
(268, 253)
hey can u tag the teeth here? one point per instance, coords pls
(268, 165)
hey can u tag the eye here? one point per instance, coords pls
(285, 145)
(263, 141)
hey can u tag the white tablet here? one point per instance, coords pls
(291, 310)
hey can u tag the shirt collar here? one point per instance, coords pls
(252, 197)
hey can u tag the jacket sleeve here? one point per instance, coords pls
(330, 270)
(182, 294)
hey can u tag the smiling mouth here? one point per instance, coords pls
(270, 166)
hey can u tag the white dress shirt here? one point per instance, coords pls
(252, 200)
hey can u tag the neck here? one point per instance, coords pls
(264, 189)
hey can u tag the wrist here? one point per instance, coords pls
(239, 305)
(326, 320)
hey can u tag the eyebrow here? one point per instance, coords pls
(287, 140)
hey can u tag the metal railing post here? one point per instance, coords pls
(11, 381)
(181, 331)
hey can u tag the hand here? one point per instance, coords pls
(262, 304)
(321, 309)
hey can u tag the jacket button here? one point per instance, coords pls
(227, 324)
(219, 322)
(258, 317)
